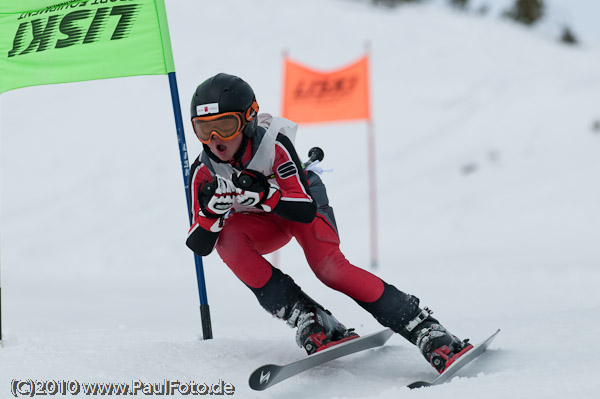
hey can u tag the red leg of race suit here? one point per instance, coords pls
(321, 246)
(246, 237)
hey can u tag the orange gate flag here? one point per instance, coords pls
(311, 96)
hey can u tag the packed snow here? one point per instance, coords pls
(488, 171)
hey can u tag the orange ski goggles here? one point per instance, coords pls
(226, 125)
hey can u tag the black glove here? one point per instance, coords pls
(216, 197)
(253, 189)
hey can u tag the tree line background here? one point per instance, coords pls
(526, 12)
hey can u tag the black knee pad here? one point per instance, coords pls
(394, 309)
(278, 295)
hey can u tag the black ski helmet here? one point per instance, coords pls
(232, 94)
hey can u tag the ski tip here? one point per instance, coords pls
(263, 377)
(419, 384)
(494, 334)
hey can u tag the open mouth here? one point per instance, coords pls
(221, 148)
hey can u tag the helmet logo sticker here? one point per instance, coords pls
(204, 109)
(252, 111)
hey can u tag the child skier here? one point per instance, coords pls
(250, 196)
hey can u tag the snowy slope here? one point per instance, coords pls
(488, 171)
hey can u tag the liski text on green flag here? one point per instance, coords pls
(53, 41)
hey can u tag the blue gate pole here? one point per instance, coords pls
(185, 168)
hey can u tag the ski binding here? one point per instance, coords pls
(458, 364)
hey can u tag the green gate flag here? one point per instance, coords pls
(54, 41)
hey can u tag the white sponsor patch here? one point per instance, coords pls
(207, 109)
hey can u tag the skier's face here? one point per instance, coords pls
(225, 150)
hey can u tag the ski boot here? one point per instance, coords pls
(317, 328)
(438, 346)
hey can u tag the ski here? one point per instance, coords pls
(458, 364)
(270, 374)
